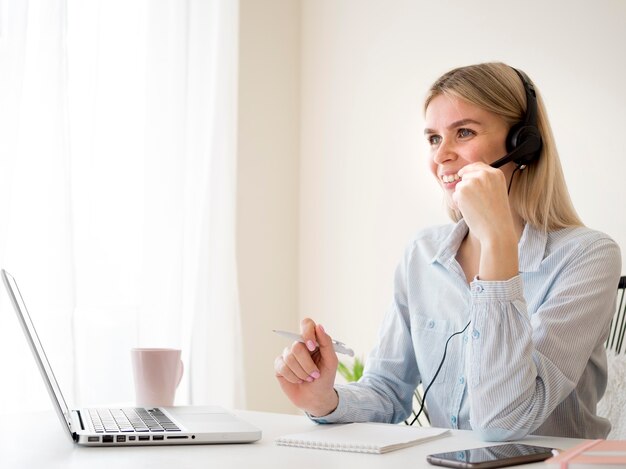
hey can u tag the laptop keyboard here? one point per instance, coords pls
(131, 420)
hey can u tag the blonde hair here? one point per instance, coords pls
(539, 193)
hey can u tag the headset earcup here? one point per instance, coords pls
(513, 137)
(527, 141)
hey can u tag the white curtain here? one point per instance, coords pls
(117, 193)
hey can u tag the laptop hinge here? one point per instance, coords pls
(74, 420)
(80, 420)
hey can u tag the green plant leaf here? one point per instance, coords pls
(357, 369)
(345, 372)
(351, 372)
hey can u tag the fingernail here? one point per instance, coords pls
(322, 329)
(315, 374)
(309, 379)
(310, 345)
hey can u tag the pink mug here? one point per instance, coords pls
(157, 373)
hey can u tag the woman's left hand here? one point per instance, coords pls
(482, 198)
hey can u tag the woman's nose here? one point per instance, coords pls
(444, 152)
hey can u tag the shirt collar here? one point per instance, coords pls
(450, 245)
(531, 247)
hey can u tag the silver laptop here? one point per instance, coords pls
(178, 425)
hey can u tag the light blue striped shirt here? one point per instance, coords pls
(532, 359)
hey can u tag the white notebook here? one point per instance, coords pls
(362, 437)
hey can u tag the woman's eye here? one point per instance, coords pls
(434, 139)
(464, 133)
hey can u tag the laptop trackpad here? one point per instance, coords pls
(204, 419)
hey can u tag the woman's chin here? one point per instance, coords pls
(450, 203)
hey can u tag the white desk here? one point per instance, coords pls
(46, 446)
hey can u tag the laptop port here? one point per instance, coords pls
(157, 437)
(131, 438)
(93, 439)
(107, 438)
(143, 437)
(177, 437)
(121, 438)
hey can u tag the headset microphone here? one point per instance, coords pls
(523, 142)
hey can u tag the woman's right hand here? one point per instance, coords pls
(306, 371)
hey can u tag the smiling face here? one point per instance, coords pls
(459, 133)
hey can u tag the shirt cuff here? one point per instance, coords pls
(336, 415)
(502, 290)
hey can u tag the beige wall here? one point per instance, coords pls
(267, 179)
(333, 179)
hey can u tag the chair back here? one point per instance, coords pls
(615, 341)
(612, 406)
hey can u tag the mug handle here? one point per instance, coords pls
(180, 372)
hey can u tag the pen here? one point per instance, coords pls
(339, 347)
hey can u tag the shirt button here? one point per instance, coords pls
(453, 420)
(462, 380)
(475, 334)
(431, 324)
(465, 338)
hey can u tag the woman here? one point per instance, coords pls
(503, 314)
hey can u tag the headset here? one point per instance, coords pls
(523, 142)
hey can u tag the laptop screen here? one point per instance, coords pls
(37, 349)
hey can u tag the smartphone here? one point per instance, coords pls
(508, 454)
